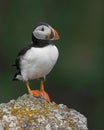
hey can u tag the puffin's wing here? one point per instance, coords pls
(20, 54)
(25, 49)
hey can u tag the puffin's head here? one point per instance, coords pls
(43, 31)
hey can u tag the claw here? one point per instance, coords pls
(45, 96)
(37, 93)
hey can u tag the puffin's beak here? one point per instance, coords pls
(56, 36)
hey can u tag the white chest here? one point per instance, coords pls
(38, 62)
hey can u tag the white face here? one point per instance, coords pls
(42, 32)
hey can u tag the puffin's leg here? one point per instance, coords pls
(42, 85)
(38, 93)
(28, 87)
(42, 91)
(35, 93)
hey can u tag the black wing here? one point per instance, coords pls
(21, 53)
(17, 61)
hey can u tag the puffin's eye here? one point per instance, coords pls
(42, 29)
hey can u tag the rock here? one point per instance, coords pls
(30, 113)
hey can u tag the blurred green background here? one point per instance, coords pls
(78, 77)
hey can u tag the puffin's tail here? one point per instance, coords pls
(17, 76)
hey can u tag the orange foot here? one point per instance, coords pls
(38, 93)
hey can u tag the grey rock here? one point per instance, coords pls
(30, 113)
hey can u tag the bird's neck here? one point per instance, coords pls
(41, 43)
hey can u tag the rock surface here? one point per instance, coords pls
(30, 113)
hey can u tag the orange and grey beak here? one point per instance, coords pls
(54, 35)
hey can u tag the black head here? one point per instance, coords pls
(43, 31)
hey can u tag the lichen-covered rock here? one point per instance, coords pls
(30, 113)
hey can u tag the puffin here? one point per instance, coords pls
(37, 59)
